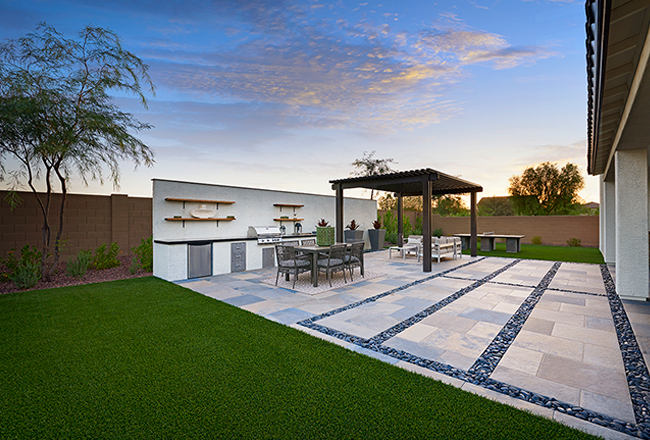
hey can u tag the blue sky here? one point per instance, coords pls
(287, 94)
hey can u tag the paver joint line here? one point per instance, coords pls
(528, 286)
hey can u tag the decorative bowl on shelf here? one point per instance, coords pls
(202, 212)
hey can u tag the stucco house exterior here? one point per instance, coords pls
(618, 144)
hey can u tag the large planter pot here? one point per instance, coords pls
(353, 235)
(377, 237)
(324, 236)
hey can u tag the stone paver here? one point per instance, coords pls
(566, 345)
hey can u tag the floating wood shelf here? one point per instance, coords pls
(289, 205)
(192, 219)
(289, 219)
(175, 199)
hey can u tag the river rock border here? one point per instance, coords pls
(638, 378)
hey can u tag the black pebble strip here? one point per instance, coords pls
(490, 358)
(638, 379)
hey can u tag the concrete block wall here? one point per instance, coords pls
(554, 229)
(89, 221)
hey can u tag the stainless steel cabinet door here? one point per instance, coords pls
(199, 260)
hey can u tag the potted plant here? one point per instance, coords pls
(353, 232)
(376, 236)
(324, 233)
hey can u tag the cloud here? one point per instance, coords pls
(574, 152)
(472, 46)
(310, 65)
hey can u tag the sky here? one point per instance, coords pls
(287, 94)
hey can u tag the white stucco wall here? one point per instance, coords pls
(632, 274)
(252, 207)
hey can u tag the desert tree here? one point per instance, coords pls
(546, 189)
(57, 117)
(368, 165)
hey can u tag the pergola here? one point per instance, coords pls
(426, 183)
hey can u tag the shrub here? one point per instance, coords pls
(106, 259)
(536, 240)
(574, 242)
(417, 230)
(78, 267)
(24, 271)
(437, 232)
(143, 256)
(27, 274)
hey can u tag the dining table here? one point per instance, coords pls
(313, 251)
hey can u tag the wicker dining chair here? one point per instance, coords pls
(354, 258)
(335, 261)
(308, 242)
(290, 263)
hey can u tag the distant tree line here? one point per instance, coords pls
(542, 190)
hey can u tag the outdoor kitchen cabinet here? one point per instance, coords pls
(199, 260)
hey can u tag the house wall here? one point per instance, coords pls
(555, 229)
(89, 221)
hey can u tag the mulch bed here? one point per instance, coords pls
(61, 278)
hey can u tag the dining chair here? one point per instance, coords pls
(354, 258)
(335, 261)
(290, 263)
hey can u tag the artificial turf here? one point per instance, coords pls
(144, 358)
(574, 254)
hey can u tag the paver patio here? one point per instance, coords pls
(543, 336)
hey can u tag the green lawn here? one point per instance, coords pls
(144, 358)
(545, 252)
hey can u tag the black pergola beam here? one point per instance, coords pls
(375, 182)
(472, 224)
(400, 220)
(427, 218)
(339, 213)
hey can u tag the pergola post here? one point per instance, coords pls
(427, 189)
(472, 225)
(339, 213)
(400, 219)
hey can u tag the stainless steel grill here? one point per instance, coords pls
(265, 234)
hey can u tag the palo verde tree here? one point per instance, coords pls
(369, 166)
(546, 190)
(57, 117)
